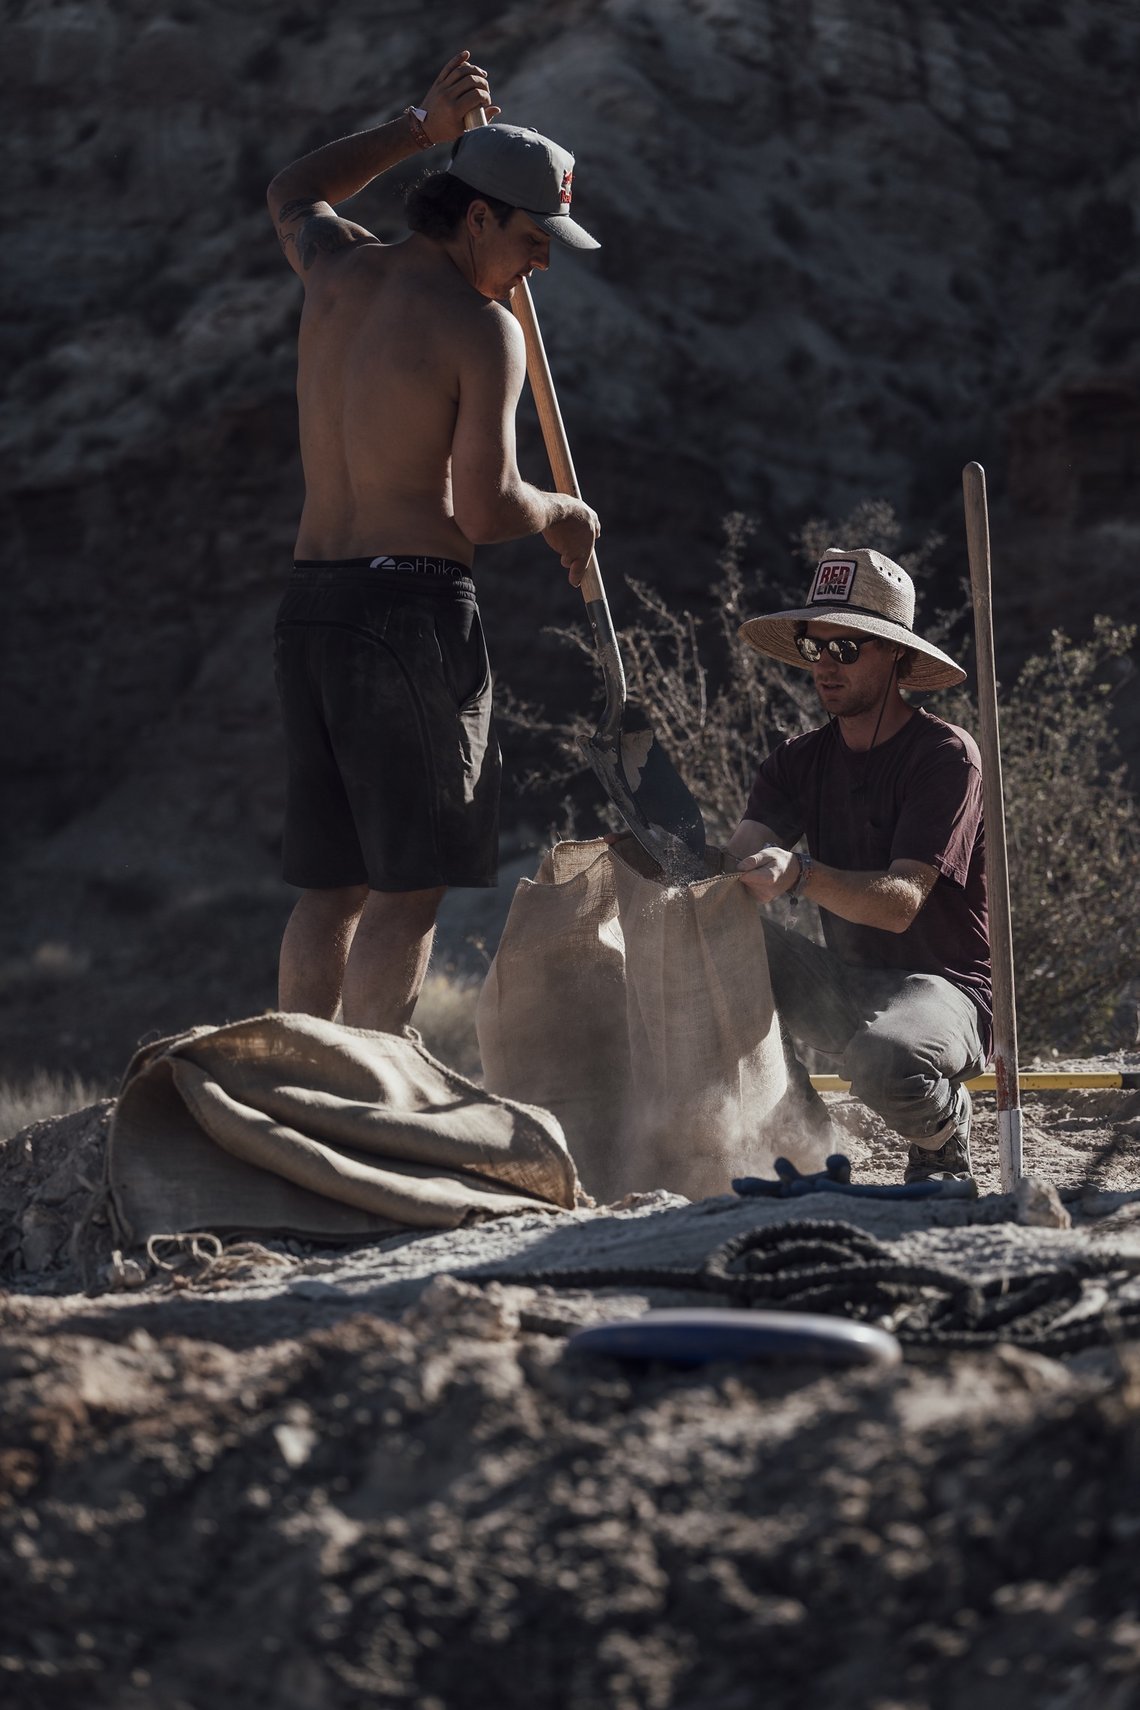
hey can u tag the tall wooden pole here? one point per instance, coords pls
(1006, 1083)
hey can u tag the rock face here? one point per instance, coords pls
(1074, 456)
(846, 248)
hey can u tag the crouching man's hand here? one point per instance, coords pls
(768, 873)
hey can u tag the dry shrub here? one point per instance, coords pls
(713, 712)
(1074, 841)
(717, 707)
(874, 523)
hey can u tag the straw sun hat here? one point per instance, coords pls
(860, 590)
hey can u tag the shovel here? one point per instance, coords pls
(625, 754)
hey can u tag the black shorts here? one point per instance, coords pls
(393, 763)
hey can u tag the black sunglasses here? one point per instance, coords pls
(845, 648)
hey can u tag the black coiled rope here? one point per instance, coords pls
(832, 1267)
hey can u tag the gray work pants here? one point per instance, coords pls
(904, 1041)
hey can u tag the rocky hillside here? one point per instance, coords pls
(846, 248)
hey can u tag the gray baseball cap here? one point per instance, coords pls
(526, 170)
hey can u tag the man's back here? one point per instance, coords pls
(381, 347)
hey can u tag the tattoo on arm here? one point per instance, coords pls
(312, 234)
(324, 234)
(289, 211)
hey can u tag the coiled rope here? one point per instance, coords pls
(833, 1267)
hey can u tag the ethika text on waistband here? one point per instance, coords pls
(390, 562)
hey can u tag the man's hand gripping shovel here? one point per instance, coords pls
(624, 752)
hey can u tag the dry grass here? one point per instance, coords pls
(445, 1017)
(43, 1094)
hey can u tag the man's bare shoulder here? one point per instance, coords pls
(500, 327)
(490, 351)
(476, 323)
(490, 331)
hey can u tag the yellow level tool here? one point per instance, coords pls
(1028, 1079)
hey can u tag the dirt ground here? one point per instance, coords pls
(304, 1479)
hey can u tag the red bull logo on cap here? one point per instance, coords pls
(564, 193)
(834, 580)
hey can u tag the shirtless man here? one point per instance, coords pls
(410, 370)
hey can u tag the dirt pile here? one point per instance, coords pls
(306, 1479)
(53, 1220)
(443, 1512)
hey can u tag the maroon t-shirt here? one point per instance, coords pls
(916, 797)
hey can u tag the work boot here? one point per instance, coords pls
(948, 1161)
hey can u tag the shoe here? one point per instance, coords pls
(949, 1162)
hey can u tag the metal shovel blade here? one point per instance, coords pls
(647, 791)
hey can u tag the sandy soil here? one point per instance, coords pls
(304, 1479)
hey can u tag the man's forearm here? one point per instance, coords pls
(340, 169)
(513, 513)
(886, 900)
(889, 901)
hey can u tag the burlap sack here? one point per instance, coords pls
(551, 1017)
(295, 1125)
(642, 1016)
(707, 1066)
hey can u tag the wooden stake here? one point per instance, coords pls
(1006, 1082)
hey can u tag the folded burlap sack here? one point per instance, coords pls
(301, 1126)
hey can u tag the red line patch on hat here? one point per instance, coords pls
(564, 193)
(834, 580)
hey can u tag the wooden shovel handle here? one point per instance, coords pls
(1006, 1081)
(538, 373)
(550, 419)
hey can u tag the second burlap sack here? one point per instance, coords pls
(642, 1015)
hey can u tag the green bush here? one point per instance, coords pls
(717, 707)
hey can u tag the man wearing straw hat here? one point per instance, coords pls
(888, 799)
(410, 369)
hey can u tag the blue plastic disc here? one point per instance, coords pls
(698, 1336)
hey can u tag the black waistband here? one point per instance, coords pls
(392, 563)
